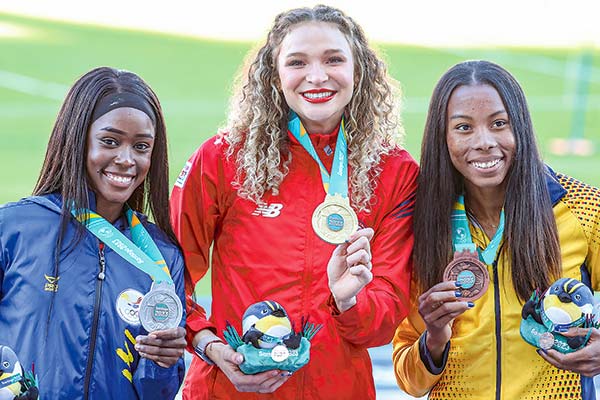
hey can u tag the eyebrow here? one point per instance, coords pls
(326, 52)
(120, 132)
(460, 116)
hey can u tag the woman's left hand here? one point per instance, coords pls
(585, 361)
(349, 268)
(165, 348)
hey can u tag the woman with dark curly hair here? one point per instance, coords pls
(312, 128)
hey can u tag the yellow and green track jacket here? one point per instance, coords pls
(486, 357)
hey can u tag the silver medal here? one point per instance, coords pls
(161, 308)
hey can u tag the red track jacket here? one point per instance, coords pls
(271, 252)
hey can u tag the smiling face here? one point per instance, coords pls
(119, 150)
(479, 136)
(316, 71)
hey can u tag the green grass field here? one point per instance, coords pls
(193, 79)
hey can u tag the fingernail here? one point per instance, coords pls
(138, 339)
(540, 351)
(458, 284)
(458, 293)
(470, 304)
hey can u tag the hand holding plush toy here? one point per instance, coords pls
(269, 340)
(568, 303)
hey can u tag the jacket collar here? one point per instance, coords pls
(555, 189)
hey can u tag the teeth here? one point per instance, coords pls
(120, 179)
(485, 165)
(317, 95)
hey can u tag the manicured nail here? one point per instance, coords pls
(470, 304)
(540, 351)
(458, 284)
(458, 293)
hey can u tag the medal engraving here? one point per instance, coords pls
(160, 308)
(334, 220)
(470, 273)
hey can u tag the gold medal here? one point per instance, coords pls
(334, 220)
(470, 273)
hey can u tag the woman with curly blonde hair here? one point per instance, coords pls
(308, 159)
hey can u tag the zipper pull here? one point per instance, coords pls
(101, 274)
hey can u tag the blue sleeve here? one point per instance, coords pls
(151, 380)
(428, 360)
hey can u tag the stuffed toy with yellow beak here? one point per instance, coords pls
(14, 385)
(269, 340)
(568, 303)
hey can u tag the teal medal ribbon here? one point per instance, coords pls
(337, 182)
(461, 235)
(142, 252)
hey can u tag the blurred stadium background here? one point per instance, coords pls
(190, 55)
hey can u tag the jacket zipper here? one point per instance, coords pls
(94, 333)
(498, 330)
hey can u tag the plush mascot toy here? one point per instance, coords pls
(13, 384)
(568, 303)
(269, 341)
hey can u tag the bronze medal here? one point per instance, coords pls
(472, 275)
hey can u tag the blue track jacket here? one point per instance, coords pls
(85, 348)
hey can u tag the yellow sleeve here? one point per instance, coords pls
(411, 373)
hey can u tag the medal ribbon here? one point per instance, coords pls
(337, 182)
(461, 235)
(142, 253)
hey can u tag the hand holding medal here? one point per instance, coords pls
(349, 268)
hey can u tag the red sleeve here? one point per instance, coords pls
(195, 212)
(384, 302)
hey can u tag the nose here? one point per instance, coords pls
(125, 157)
(485, 139)
(317, 74)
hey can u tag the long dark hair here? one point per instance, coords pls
(64, 168)
(530, 235)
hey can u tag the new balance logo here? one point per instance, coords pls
(269, 210)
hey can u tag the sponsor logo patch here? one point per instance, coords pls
(183, 175)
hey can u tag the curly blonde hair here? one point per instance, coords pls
(257, 125)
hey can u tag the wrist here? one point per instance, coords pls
(345, 304)
(204, 346)
(435, 347)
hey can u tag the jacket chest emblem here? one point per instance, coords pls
(269, 210)
(51, 283)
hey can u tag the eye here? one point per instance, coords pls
(143, 147)
(294, 62)
(577, 297)
(5, 364)
(499, 123)
(463, 127)
(556, 288)
(264, 311)
(335, 60)
(109, 141)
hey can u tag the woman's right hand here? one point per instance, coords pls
(438, 307)
(228, 360)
